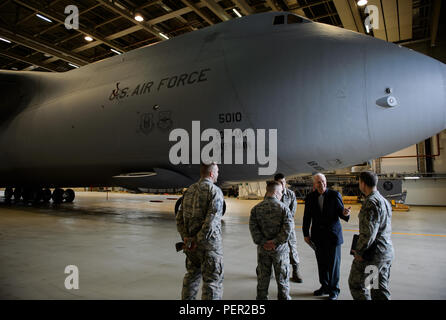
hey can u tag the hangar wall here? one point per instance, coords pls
(426, 192)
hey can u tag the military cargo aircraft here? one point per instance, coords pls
(307, 96)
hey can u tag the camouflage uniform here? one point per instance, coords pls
(200, 217)
(272, 220)
(289, 199)
(375, 247)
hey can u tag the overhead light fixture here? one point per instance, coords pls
(73, 65)
(7, 41)
(88, 38)
(237, 13)
(115, 51)
(43, 18)
(362, 3)
(164, 36)
(411, 178)
(139, 18)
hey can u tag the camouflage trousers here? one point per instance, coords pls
(357, 278)
(280, 261)
(204, 264)
(292, 244)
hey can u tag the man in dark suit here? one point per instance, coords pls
(323, 208)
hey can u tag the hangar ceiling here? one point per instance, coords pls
(33, 35)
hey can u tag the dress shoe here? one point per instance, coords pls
(320, 292)
(333, 296)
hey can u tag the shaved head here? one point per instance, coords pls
(209, 171)
(274, 189)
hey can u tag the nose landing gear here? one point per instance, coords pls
(35, 196)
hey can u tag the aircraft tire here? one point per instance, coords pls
(17, 194)
(27, 195)
(57, 195)
(36, 195)
(46, 195)
(9, 192)
(69, 195)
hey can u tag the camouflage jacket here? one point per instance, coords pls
(375, 229)
(271, 220)
(289, 199)
(200, 214)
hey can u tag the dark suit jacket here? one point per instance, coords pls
(325, 226)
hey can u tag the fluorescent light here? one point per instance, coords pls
(362, 3)
(73, 65)
(164, 36)
(139, 18)
(43, 18)
(237, 13)
(7, 41)
(411, 178)
(115, 51)
(88, 38)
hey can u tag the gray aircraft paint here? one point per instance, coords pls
(321, 86)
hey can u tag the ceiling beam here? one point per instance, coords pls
(346, 15)
(246, 9)
(124, 32)
(217, 9)
(380, 32)
(436, 8)
(81, 29)
(26, 60)
(405, 16)
(272, 5)
(391, 17)
(131, 18)
(357, 17)
(43, 47)
(196, 9)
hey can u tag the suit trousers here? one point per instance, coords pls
(329, 262)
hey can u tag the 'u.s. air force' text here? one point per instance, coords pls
(185, 79)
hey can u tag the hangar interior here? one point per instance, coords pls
(123, 243)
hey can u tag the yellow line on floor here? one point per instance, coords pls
(399, 233)
(405, 234)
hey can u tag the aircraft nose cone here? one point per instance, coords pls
(406, 96)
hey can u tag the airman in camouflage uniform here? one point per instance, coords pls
(199, 224)
(374, 246)
(289, 199)
(270, 225)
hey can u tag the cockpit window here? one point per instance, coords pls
(291, 19)
(294, 19)
(279, 20)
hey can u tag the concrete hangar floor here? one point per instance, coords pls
(124, 248)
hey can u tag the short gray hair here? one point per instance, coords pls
(319, 175)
